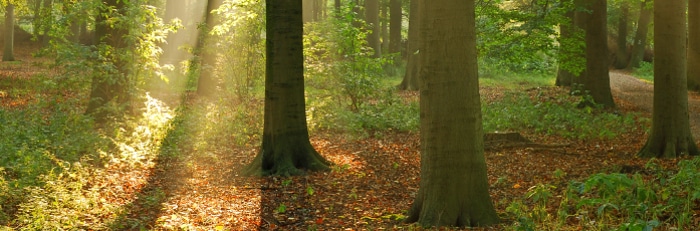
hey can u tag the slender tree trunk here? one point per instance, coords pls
(566, 46)
(453, 183)
(286, 149)
(622, 56)
(640, 37)
(372, 18)
(694, 45)
(110, 86)
(206, 85)
(597, 78)
(411, 81)
(384, 21)
(9, 53)
(670, 131)
(395, 19)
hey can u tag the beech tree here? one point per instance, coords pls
(640, 37)
(453, 183)
(570, 48)
(694, 45)
(206, 84)
(410, 79)
(286, 149)
(8, 52)
(372, 18)
(670, 131)
(621, 55)
(596, 77)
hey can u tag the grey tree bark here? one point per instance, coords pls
(622, 56)
(453, 183)
(596, 80)
(694, 45)
(372, 19)
(640, 36)
(285, 149)
(670, 131)
(9, 51)
(410, 81)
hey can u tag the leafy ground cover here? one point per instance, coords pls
(176, 167)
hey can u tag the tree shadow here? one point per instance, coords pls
(167, 176)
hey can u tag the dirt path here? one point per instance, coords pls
(633, 94)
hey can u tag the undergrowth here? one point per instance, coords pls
(645, 200)
(555, 114)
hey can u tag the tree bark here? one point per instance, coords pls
(384, 22)
(286, 149)
(372, 19)
(640, 37)
(410, 81)
(597, 76)
(9, 52)
(395, 19)
(670, 131)
(110, 86)
(453, 183)
(622, 56)
(694, 45)
(206, 85)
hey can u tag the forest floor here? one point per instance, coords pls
(372, 182)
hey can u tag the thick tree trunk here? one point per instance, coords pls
(566, 46)
(110, 86)
(640, 37)
(286, 149)
(206, 85)
(597, 78)
(9, 52)
(411, 82)
(453, 183)
(372, 18)
(670, 132)
(395, 18)
(694, 45)
(622, 56)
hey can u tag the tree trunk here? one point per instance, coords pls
(453, 183)
(372, 18)
(286, 149)
(670, 131)
(9, 53)
(640, 37)
(206, 85)
(384, 21)
(410, 81)
(110, 85)
(567, 44)
(694, 45)
(622, 56)
(597, 77)
(395, 19)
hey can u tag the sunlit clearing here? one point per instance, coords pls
(142, 145)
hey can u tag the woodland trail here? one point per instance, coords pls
(633, 94)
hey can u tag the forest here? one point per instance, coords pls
(350, 115)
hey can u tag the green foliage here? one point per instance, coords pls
(240, 43)
(517, 35)
(645, 200)
(553, 116)
(645, 71)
